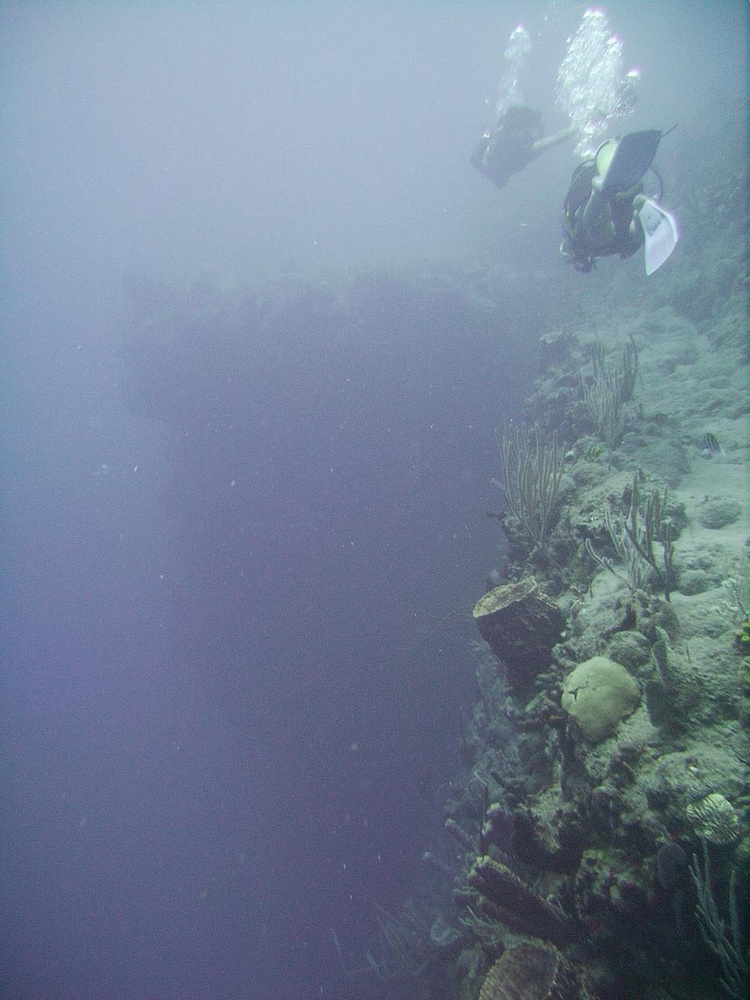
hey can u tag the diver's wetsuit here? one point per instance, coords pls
(517, 140)
(508, 149)
(598, 225)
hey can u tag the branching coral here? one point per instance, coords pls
(532, 473)
(634, 536)
(405, 945)
(725, 944)
(608, 391)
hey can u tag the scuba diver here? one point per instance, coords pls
(606, 212)
(517, 139)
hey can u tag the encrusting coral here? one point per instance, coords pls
(533, 971)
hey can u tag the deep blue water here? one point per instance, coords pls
(240, 552)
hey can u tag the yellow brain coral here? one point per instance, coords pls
(714, 819)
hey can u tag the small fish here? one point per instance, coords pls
(592, 452)
(711, 444)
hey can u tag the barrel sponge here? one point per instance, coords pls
(598, 694)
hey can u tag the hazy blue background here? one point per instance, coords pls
(194, 796)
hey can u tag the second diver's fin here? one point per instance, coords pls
(660, 234)
(631, 160)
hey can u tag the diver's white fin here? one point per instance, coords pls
(660, 234)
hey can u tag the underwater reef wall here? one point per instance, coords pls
(600, 833)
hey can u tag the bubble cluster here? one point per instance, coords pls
(509, 89)
(592, 86)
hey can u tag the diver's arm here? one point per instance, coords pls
(552, 140)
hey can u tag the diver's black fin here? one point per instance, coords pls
(632, 159)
